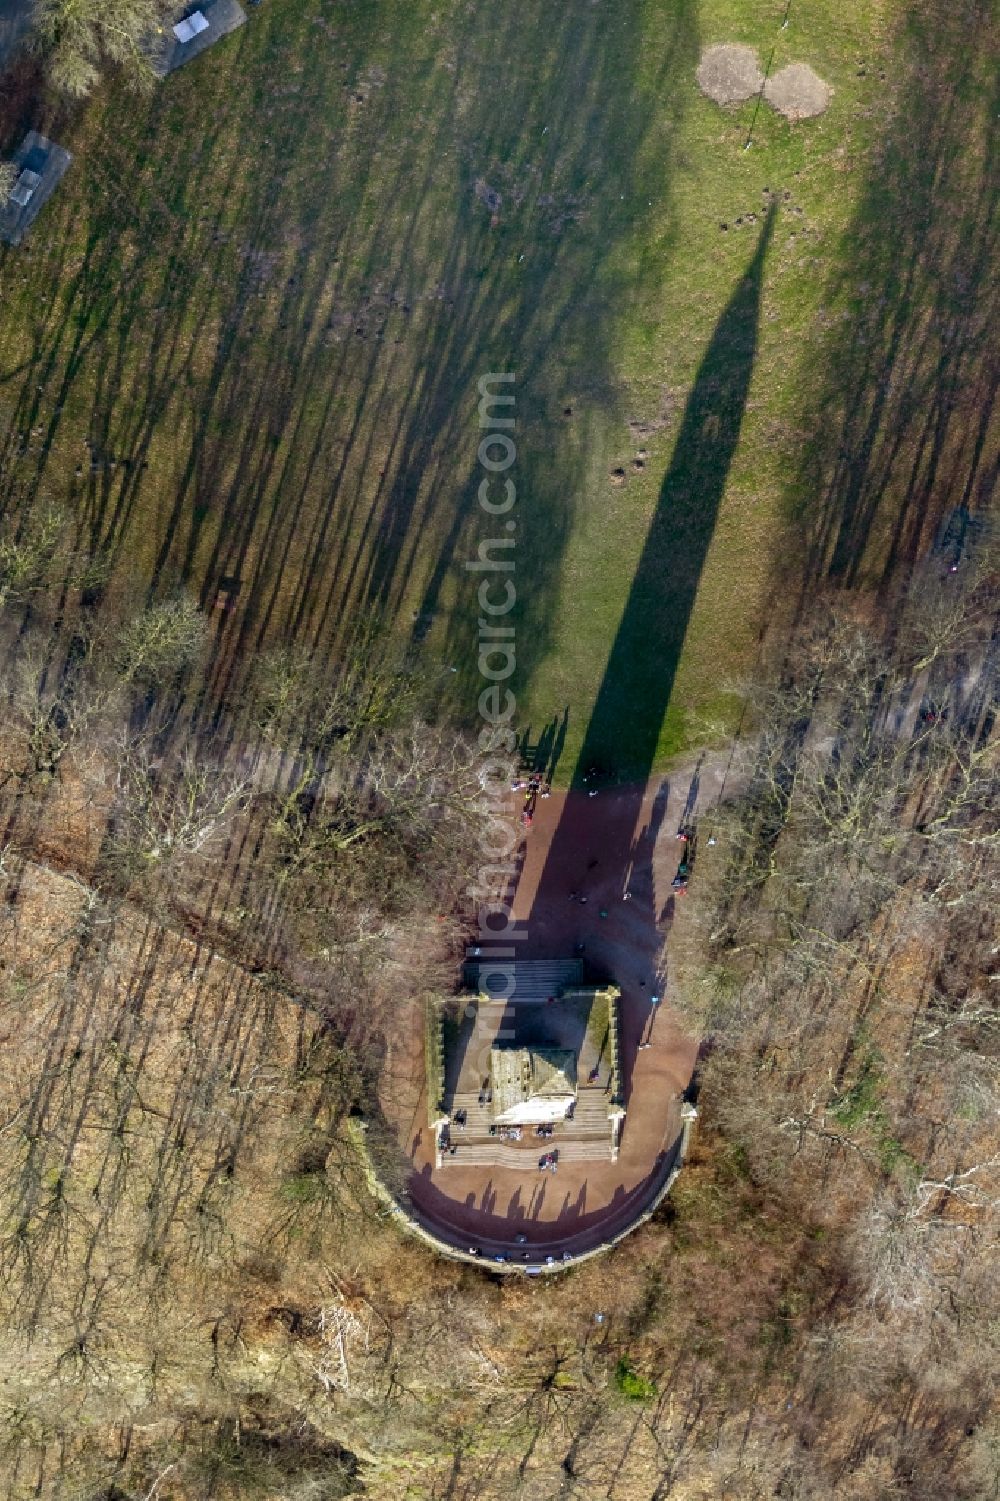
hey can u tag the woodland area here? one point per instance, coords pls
(239, 359)
(205, 914)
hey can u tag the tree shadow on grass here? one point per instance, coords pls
(273, 336)
(901, 393)
(904, 426)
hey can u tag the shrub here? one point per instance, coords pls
(631, 1385)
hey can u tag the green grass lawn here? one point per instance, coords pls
(243, 342)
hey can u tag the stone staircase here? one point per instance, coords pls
(524, 1154)
(479, 1117)
(535, 980)
(575, 1140)
(590, 1118)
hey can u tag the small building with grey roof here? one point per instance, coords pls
(40, 165)
(197, 28)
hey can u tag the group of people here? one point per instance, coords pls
(533, 786)
(532, 782)
(548, 1161)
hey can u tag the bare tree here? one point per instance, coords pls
(29, 546)
(79, 39)
(159, 643)
(168, 808)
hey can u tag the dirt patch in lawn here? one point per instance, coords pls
(797, 92)
(729, 74)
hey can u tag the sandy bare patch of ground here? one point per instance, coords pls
(729, 74)
(490, 196)
(797, 92)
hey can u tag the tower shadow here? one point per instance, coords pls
(640, 673)
(642, 664)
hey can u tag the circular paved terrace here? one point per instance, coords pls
(619, 850)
